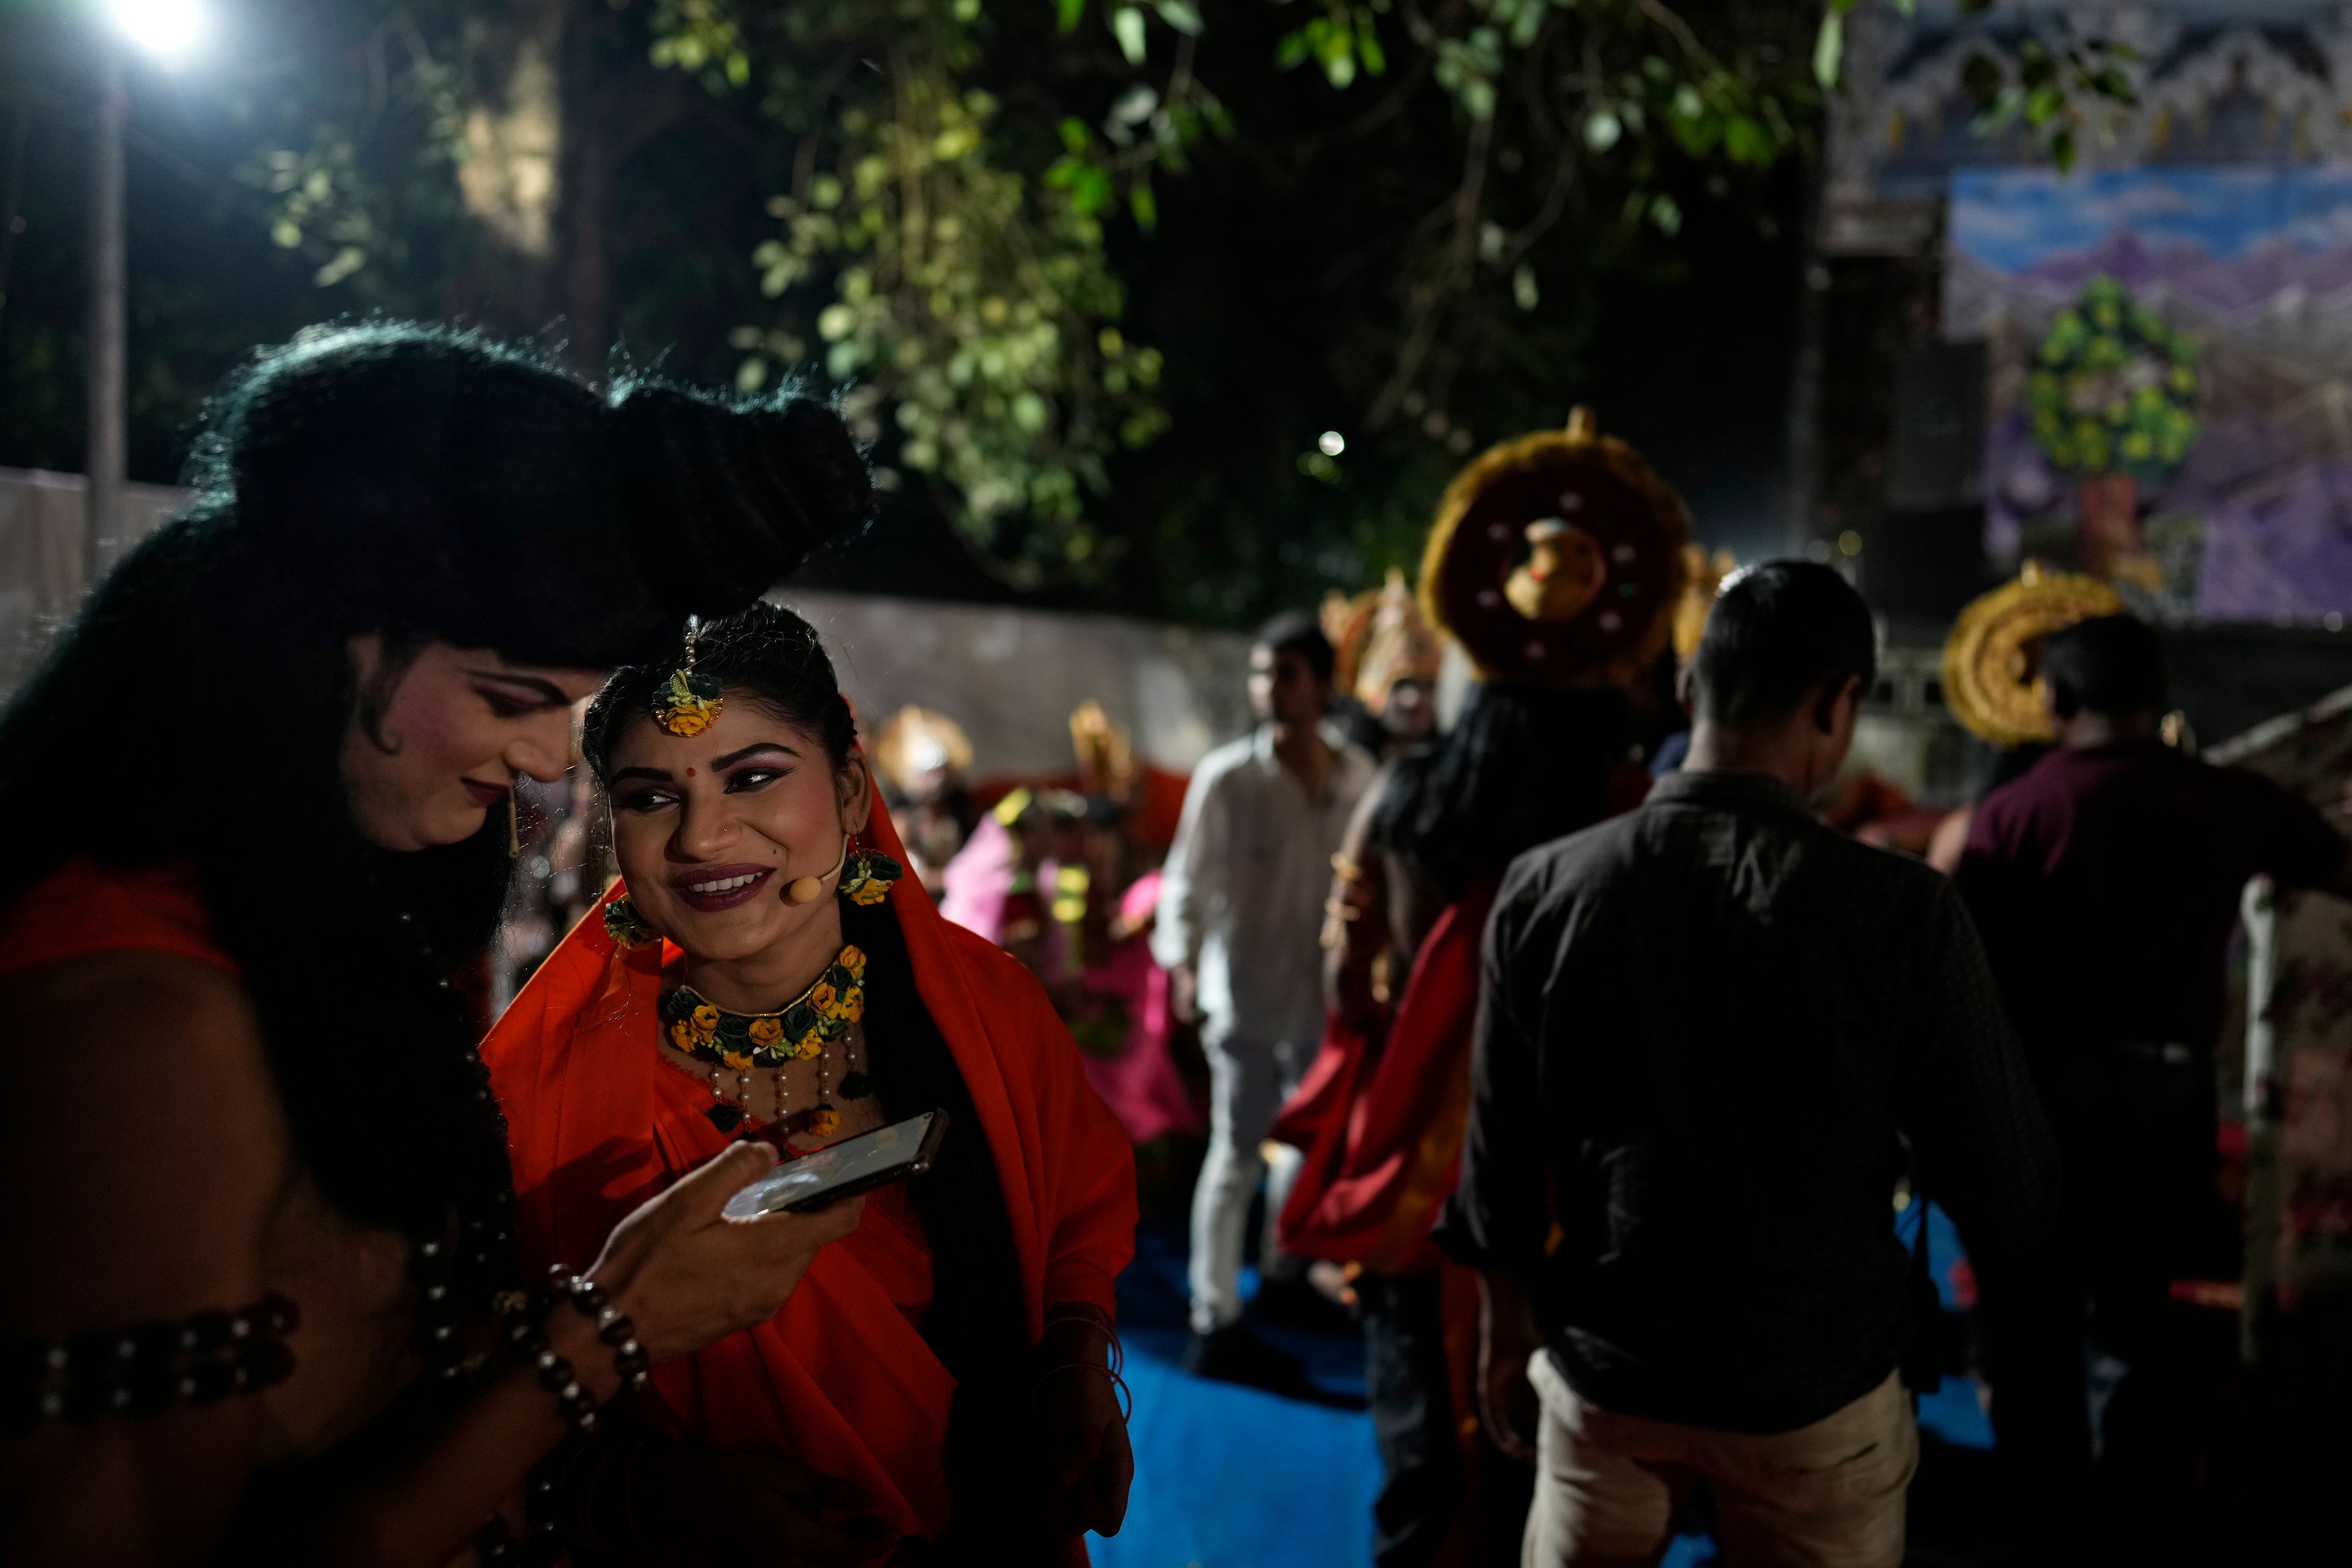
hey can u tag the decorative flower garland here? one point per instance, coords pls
(797, 1031)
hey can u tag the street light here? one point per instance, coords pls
(168, 32)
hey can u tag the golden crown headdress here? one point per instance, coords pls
(1556, 560)
(1992, 661)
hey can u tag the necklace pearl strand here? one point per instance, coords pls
(744, 1087)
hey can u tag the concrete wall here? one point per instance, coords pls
(42, 572)
(1009, 677)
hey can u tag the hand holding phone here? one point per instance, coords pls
(841, 1169)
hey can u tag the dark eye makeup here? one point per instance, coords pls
(743, 781)
(508, 704)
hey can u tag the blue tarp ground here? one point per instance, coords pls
(1230, 1477)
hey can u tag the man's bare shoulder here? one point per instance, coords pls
(145, 1142)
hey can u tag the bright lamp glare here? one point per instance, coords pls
(1331, 443)
(170, 30)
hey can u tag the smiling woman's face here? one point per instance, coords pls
(436, 741)
(710, 829)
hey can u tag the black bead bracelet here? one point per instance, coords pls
(530, 1345)
(612, 1326)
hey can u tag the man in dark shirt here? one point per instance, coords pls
(1706, 1030)
(2106, 881)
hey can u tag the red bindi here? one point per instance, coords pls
(689, 773)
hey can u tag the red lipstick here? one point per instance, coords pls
(710, 889)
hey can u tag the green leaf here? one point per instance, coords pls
(1090, 193)
(1179, 15)
(1523, 287)
(1747, 141)
(2061, 150)
(1127, 27)
(1368, 45)
(1829, 50)
(1602, 130)
(1067, 12)
(1075, 136)
(1144, 204)
(1666, 214)
(1291, 51)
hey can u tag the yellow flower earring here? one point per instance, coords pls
(625, 926)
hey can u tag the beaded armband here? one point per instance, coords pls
(137, 1372)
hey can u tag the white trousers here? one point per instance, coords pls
(1249, 1081)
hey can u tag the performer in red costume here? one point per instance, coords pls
(251, 1307)
(1540, 750)
(770, 974)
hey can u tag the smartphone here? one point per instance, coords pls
(842, 1169)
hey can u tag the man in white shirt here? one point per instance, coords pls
(1240, 918)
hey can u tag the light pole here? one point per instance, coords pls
(167, 31)
(103, 456)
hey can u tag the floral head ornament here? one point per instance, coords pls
(687, 703)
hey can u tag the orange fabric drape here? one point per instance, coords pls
(840, 1376)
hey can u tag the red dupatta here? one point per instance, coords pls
(840, 1377)
(1381, 1123)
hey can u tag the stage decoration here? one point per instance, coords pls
(1992, 661)
(1703, 576)
(1556, 560)
(2112, 397)
(914, 742)
(689, 702)
(1106, 759)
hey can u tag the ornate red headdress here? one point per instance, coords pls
(1378, 638)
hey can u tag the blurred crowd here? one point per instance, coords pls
(1334, 984)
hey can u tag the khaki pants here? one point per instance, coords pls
(1830, 1495)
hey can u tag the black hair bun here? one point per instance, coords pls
(725, 499)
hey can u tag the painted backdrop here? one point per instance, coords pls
(2169, 360)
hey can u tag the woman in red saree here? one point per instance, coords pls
(938, 1384)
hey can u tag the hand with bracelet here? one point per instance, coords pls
(677, 1272)
(1085, 1461)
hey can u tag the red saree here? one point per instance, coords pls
(840, 1377)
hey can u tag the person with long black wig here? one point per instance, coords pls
(944, 1381)
(1553, 566)
(1381, 1113)
(263, 1300)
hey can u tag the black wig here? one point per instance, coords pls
(423, 484)
(1521, 766)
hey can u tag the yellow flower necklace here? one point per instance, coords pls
(806, 1027)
